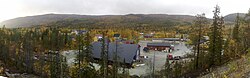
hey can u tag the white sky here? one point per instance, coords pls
(10, 9)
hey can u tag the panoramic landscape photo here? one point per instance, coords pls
(124, 39)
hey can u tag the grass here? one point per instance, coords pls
(240, 67)
(234, 69)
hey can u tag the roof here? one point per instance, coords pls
(167, 39)
(124, 51)
(159, 44)
(79, 31)
(148, 35)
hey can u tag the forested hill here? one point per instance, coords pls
(39, 20)
(105, 20)
(110, 20)
(232, 17)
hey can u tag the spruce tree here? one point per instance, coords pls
(216, 38)
(167, 68)
(88, 48)
(236, 29)
(104, 56)
(246, 34)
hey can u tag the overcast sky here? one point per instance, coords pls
(10, 9)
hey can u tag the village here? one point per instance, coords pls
(146, 56)
(124, 39)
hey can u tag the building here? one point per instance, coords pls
(127, 52)
(148, 36)
(128, 42)
(74, 33)
(117, 36)
(77, 32)
(160, 46)
(166, 39)
(98, 37)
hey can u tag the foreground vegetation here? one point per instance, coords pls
(238, 68)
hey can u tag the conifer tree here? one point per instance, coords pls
(236, 29)
(216, 38)
(167, 68)
(88, 48)
(246, 34)
(104, 56)
(28, 50)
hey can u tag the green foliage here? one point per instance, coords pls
(37, 51)
(199, 25)
(177, 69)
(167, 69)
(85, 71)
(236, 29)
(216, 39)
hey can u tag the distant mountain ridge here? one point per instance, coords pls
(114, 19)
(232, 17)
(39, 20)
(67, 19)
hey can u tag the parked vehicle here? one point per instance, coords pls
(146, 49)
(170, 57)
(144, 57)
(177, 57)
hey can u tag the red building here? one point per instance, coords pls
(159, 46)
(148, 36)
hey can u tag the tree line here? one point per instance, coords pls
(38, 51)
(225, 43)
